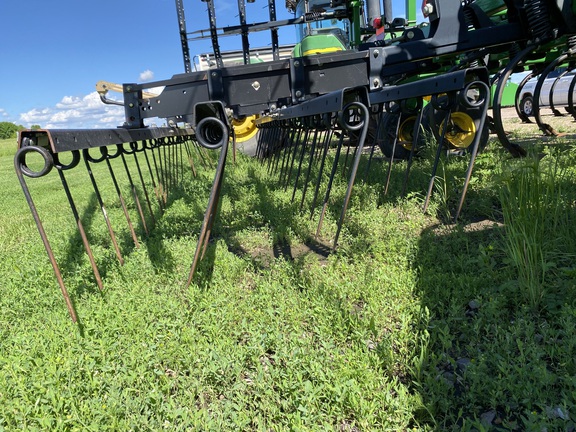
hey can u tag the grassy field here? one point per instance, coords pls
(413, 324)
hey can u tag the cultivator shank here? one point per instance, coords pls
(318, 114)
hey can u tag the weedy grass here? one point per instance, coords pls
(412, 324)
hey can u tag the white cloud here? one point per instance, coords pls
(3, 112)
(74, 112)
(147, 75)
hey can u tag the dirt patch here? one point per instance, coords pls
(264, 256)
(471, 227)
(564, 124)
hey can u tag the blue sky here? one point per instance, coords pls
(54, 52)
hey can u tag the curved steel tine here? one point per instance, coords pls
(122, 203)
(475, 144)
(210, 213)
(544, 127)
(303, 145)
(415, 135)
(144, 188)
(330, 182)
(286, 153)
(291, 158)
(301, 160)
(154, 184)
(391, 161)
(354, 168)
(18, 163)
(514, 149)
(309, 170)
(190, 160)
(326, 146)
(521, 115)
(134, 193)
(374, 144)
(81, 230)
(103, 208)
(437, 159)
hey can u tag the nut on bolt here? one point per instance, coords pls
(298, 93)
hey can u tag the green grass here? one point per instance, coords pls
(411, 325)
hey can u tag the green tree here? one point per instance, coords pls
(9, 130)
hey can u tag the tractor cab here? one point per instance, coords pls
(317, 35)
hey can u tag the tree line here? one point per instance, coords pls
(10, 130)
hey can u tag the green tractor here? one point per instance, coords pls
(341, 30)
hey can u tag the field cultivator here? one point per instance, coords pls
(357, 81)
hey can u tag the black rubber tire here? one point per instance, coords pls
(527, 106)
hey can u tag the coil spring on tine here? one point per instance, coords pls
(113, 155)
(135, 148)
(571, 42)
(90, 158)
(468, 17)
(21, 166)
(73, 163)
(538, 19)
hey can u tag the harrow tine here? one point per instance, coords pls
(133, 189)
(159, 172)
(415, 135)
(86, 156)
(362, 125)
(87, 248)
(485, 101)
(233, 146)
(437, 159)
(164, 168)
(260, 151)
(326, 146)
(169, 165)
(180, 159)
(330, 182)
(286, 153)
(292, 150)
(190, 161)
(309, 170)
(21, 168)
(204, 156)
(303, 145)
(302, 153)
(174, 163)
(214, 198)
(271, 148)
(345, 163)
(372, 150)
(391, 161)
(282, 137)
(144, 188)
(154, 186)
(121, 198)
